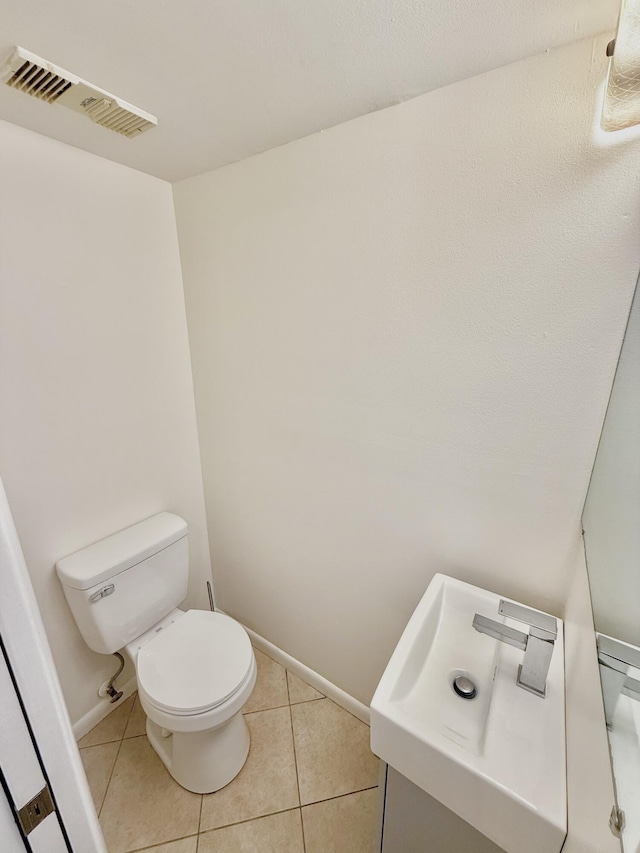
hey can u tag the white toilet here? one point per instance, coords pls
(195, 669)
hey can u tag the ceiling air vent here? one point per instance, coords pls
(29, 73)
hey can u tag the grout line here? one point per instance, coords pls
(337, 695)
(304, 841)
(106, 790)
(126, 736)
(317, 699)
(161, 843)
(112, 740)
(298, 808)
(340, 796)
(200, 814)
(261, 710)
(328, 698)
(254, 818)
(346, 710)
(304, 701)
(295, 762)
(134, 695)
(292, 704)
(241, 822)
(256, 649)
(102, 742)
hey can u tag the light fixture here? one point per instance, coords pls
(621, 107)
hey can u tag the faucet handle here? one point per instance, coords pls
(545, 626)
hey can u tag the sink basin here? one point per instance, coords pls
(497, 760)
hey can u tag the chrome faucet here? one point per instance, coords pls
(537, 644)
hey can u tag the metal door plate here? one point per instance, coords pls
(35, 811)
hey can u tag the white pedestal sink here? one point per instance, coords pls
(497, 760)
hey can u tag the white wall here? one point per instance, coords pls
(97, 423)
(403, 333)
(612, 510)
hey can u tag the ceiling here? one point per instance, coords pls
(228, 80)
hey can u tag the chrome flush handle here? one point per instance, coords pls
(102, 593)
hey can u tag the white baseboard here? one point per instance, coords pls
(102, 709)
(326, 687)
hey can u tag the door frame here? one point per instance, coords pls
(38, 688)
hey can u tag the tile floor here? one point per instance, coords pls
(309, 784)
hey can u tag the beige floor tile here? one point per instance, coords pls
(185, 845)
(112, 727)
(347, 823)
(98, 763)
(332, 751)
(300, 691)
(266, 783)
(144, 805)
(137, 724)
(271, 686)
(277, 833)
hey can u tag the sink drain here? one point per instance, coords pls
(464, 687)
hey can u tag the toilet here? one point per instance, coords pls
(195, 669)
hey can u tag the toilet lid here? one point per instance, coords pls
(194, 664)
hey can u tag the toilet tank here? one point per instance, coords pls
(124, 584)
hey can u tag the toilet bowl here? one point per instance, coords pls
(195, 669)
(195, 672)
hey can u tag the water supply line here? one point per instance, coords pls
(110, 690)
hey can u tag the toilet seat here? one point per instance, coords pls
(195, 664)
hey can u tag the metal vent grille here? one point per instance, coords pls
(37, 81)
(111, 115)
(35, 76)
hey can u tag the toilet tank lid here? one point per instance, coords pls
(121, 551)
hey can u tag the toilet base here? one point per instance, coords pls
(203, 762)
